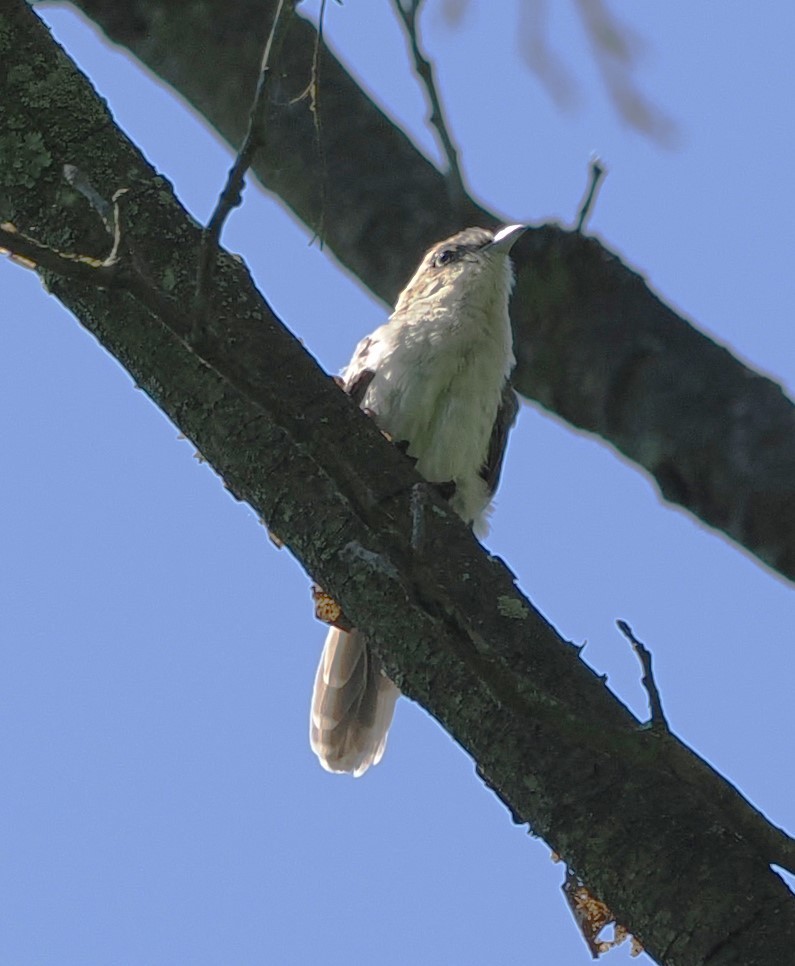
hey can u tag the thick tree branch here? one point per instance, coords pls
(558, 748)
(594, 344)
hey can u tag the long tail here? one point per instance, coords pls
(352, 705)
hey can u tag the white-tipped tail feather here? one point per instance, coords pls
(352, 705)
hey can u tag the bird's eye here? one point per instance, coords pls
(445, 256)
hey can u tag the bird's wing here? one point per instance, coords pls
(506, 417)
(361, 370)
(356, 385)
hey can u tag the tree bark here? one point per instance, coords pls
(594, 344)
(679, 868)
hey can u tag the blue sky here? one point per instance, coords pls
(160, 803)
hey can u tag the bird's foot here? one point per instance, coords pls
(446, 490)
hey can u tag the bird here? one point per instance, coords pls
(436, 380)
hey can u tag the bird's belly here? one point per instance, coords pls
(447, 420)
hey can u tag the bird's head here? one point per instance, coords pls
(471, 266)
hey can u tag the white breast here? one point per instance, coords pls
(438, 384)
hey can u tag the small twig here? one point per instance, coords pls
(407, 11)
(597, 172)
(231, 196)
(317, 124)
(772, 842)
(658, 719)
(109, 273)
(82, 268)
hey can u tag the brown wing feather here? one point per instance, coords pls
(506, 417)
(357, 386)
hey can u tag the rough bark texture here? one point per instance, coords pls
(594, 343)
(556, 746)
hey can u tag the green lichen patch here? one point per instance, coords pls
(513, 608)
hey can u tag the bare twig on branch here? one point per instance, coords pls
(407, 10)
(108, 273)
(231, 196)
(658, 719)
(118, 270)
(597, 171)
(33, 254)
(317, 122)
(773, 843)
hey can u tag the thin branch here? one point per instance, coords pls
(317, 123)
(118, 270)
(107, 273)
(658, 719)
(424, 69)
(231, 196)
(33, 254)
(777, 847)
(597, 172)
